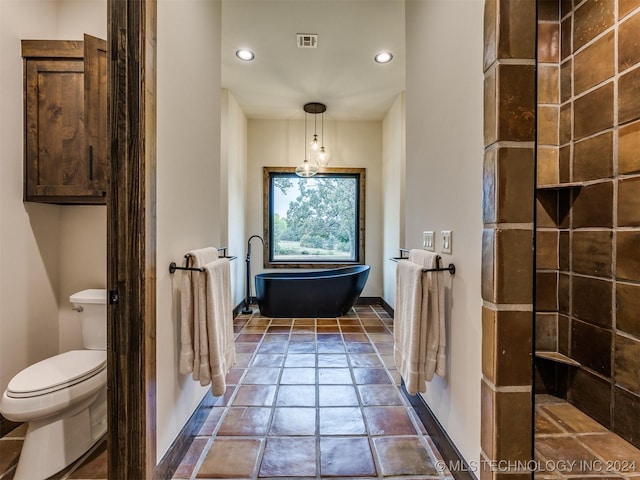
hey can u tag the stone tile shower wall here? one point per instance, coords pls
(507, 266)
(588, 207)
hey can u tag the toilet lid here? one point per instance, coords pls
(57, 372)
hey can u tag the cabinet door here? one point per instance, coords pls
(61, 164)
(95, 108)
(55, 153)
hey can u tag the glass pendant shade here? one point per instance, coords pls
(314, 146)
(306, 169)
(314, 149)
(323, 157)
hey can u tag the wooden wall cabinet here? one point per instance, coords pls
(65, 121)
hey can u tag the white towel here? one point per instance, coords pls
(186, 323)
(427, 321)
(221, 354)
(409, 334)
(436, 329)
(422, 257)
(192, 310)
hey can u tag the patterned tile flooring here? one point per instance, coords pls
(316, 398)
(307, 398)
(91, 466)
(569, 444)
(313, 398)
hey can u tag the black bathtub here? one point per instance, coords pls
(324, 293)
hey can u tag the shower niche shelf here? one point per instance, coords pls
(560, 186)
(557, 357)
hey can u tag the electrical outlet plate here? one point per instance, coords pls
(446, 241)
(428, 240)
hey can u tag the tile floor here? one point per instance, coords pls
(572, 445)
(308, 398)
(319, 398)
(313, 398)
(91, 466)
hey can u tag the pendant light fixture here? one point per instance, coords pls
(307, 169)
(323, 154)
(318, 156)
(315, 147)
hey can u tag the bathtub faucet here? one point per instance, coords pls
(247, 298)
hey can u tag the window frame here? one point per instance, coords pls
(272, 172)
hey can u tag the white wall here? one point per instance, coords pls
(444, 188)
(280, 143)
(77, 17)
(233, 188)
(393, 197)
(47, 252)
(188, 183)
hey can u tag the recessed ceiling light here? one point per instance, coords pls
(383, 57)
(244, 54)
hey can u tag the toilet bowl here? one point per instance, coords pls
(63, 399)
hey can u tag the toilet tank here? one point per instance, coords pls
(91, 305)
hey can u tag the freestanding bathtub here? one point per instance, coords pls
(323, 293)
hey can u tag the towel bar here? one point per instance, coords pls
(173, 266)
(451, 268)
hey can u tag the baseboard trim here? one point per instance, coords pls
(359, 301)
(368, 301)
(387, 308)
(238, 310)
(450, 453)
(178, 449)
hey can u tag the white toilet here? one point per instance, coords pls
(63, 398)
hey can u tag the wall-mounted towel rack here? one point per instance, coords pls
(173, 266)
(451, 268)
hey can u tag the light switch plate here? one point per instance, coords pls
(446, 237)
(428, 240)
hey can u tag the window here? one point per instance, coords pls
(314, 222)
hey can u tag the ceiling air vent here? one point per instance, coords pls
(307, 40)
